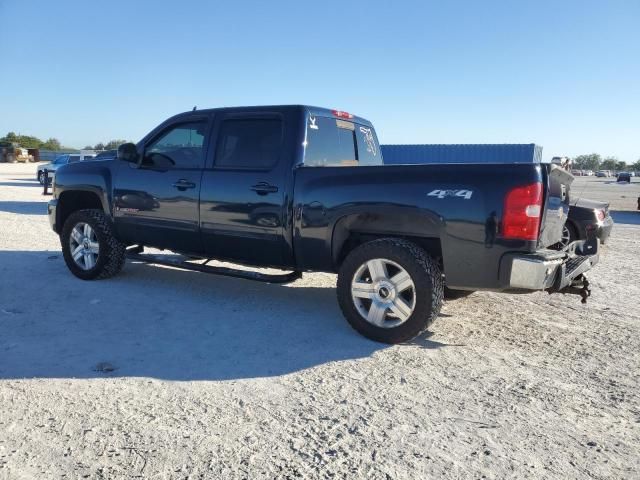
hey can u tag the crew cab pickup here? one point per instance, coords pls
(303, 189)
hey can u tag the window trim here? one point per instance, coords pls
(247, 116)
(162, 129)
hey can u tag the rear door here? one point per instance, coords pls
(242, 202)
(156, 202)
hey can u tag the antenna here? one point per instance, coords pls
(194, 108)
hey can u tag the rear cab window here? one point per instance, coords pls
(335, 142)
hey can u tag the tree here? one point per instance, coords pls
(621, 165)
(635, 166)
(609, 163)
(99, 146)
(113, 144)
(51, 144)
(587, 162)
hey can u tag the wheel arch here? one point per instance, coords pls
(353, 230)
(70, 201)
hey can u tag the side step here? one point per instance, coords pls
(135, 253)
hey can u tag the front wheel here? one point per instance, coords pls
(90, 249)
(41, 177)
(390, 290)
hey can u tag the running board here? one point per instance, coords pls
(135, 253)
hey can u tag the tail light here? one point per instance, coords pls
(522, 211)
(341, 114)
(600, 215)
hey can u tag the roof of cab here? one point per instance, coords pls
(311, 110)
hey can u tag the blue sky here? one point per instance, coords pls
(563, 74)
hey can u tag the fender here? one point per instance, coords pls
(93, 177)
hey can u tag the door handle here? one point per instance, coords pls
(183, 184)
(263, 188)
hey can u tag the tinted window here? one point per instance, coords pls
(178, 147)
(249, 143)
(335, 142)
(60, 159)
(74, 158)
(368, 148)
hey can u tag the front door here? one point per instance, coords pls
(156, 201)
(243, 192)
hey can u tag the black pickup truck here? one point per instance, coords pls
(302, 189)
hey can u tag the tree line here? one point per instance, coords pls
(594, 161)
(28, 141)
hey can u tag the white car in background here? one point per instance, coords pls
(63, 160)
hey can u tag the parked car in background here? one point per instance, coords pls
(63, 160)
(603, 173)
(576, 173)
(624, 177)
(586, 218)
(106, 155)
(589, 173)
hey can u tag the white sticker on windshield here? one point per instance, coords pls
(371, 143)
(312, 124)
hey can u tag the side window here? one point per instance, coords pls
(181, 146)
(60, 160)
(74, 158)
(253, 143)
(330, 143)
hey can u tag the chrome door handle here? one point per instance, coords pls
(183, 184)
(263, 188)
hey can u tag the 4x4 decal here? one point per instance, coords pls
(466, 194)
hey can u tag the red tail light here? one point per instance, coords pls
(341, 114)
(522, 212)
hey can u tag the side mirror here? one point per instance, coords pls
(128, 152)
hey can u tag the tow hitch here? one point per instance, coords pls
(578, 286)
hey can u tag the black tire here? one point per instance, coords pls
(450, 294)
(112, 253)
(41, 177)
(424, 273)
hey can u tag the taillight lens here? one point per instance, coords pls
(600, 215)
(522, 211)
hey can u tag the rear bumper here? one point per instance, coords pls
(548, 269)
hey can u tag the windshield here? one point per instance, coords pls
(60, 159)
(333, 142)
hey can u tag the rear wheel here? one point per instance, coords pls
(89, 246)
(390, 290)
(41, 177)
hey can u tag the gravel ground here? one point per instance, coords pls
(160, 373)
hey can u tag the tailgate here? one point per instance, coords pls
(556, 205)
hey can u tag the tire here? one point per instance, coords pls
(41, 177)
(417, 305)
(109, 256)
(450, 294)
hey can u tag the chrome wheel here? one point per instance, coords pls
(84, 246)
(383, 293)
(566, 236)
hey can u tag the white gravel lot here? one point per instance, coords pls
(216, 377)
